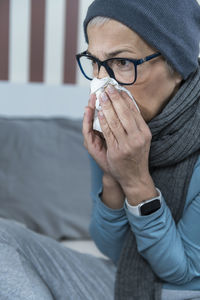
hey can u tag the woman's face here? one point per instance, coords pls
(155, 84)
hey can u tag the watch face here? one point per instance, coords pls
(150, 207)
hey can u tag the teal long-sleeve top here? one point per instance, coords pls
(173, 251)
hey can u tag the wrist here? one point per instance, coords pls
(140, 191)
(109, 181)
(112, 194)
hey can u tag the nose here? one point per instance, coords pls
(102, 73)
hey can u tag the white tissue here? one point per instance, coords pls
(98, 86)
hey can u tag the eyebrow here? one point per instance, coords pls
(112, 54)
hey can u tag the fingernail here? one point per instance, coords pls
(92, 95)
(101, 115)
(104, 97)
(111, 89)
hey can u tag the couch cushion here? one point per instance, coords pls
(45, 176)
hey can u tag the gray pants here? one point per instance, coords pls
(35, 267)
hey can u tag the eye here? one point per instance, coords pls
(123, 63)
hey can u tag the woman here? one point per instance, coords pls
(152, 155)
(151, 48)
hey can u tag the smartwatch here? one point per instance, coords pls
(146, 207)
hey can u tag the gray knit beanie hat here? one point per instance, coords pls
(171, 26)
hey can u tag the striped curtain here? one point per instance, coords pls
(39, 40)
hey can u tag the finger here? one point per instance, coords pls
(89, 115)
(92, 101)
(108, 135)
(111, 117)
(142, 125)
(125, 115)
(90, 137)
(89, 112)
(130, 103)
(88, 121)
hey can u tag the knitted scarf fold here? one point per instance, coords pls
(174, 151)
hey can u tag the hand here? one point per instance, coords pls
(93, 142)
(128, 140)
(112, 194)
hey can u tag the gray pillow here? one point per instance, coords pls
(45, 176)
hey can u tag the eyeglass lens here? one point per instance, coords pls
(124, 70)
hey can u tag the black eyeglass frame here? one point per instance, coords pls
(110, 72)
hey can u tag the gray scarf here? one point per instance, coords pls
(174, 151)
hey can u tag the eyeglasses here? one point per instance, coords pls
(123, 70)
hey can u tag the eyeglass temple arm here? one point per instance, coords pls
(141, 61)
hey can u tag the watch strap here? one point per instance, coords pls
(136, 210)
